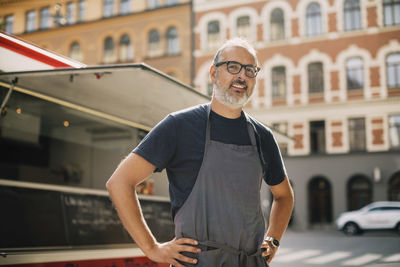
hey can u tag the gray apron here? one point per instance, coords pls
(223, 211)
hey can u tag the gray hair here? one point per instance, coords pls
(235, 42)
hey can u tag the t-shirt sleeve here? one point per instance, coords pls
(159, 145)
(275, 170)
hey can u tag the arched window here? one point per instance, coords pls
(352, 15)
(393, 70)
(277, 25)
(394, 187)
(359, 192)
(75, 51)
(108, 8)
(213, 35)
(315, 77)
(313, 19)
(278, 76)
(320, 200)
(243, 27)
(355, 73)
(125, 48)
(109, 55)
(154, 44)
(172, 41)
(391, 12)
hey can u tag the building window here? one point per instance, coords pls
(243, 27)
(391, 12)
(154, 44)
(125, 49)
(151, 4)
(171, 2)
(213, 35)
(108, 8)
(172, 41)
(278, 82)
(44, 18)
(352, 15)
(319, 200)
(75, 51)
(394, 131)
(81, 10)
(317, 137)
(315, 78)
(357, 134)
(71, 13)
(277, 25)
(394, 187)
(282, 128)
(109, 55)
(313, 19)
(393, 70)
(31, 21)
(125, 7)
(355, 73)
(359, 192)
(9, 23)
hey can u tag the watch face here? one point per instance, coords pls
(275, 242)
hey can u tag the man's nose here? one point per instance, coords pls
(242, 74)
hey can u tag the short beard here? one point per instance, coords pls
(226, 98)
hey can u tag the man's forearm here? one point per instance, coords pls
(126, 202)
(280, 215)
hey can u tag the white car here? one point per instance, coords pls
(382, 215)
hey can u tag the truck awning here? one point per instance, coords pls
(17, 54)
(135, 93)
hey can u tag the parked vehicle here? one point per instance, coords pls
(382, 215)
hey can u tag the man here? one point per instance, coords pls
(215, 156)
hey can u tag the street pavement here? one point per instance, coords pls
(332, 248)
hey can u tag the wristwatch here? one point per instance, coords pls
(274, 242)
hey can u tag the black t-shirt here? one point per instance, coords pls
(177, 145)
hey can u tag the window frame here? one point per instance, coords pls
(350, 11)
(314, 25)
(311, 81)
(280, 25)
(359, 72)
(390, 6)
(31, 23)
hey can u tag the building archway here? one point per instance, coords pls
(359, 192)
(319, 200)
(394, 187)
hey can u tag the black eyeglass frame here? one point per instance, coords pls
(257, 69)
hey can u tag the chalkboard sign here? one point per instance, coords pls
(41, 218)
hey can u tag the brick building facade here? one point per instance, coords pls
(330, 79)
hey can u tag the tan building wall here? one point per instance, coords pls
(94, 29)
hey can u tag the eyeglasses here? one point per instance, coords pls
(234, 67)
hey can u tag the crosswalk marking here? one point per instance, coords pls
(334, 256)
(366, 258)
(392, 258)
(288, 257)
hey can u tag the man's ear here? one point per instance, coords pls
(213, 73)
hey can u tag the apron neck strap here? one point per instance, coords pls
(250, 127)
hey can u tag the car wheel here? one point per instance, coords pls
(351, 228)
